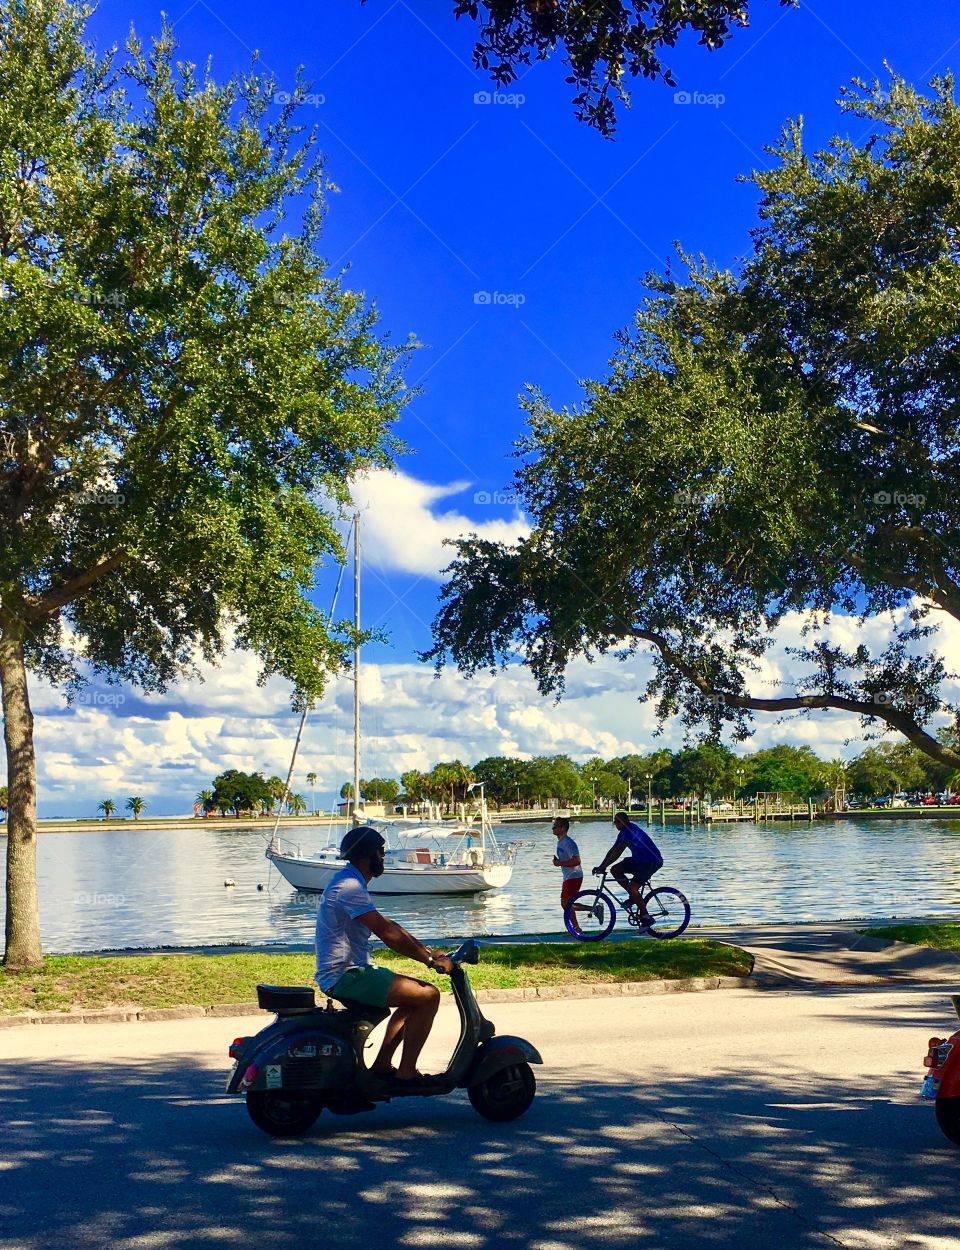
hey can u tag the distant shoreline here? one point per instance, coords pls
(519, 818)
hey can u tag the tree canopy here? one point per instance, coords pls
(776, 446)
(601, 44)
(185, 393)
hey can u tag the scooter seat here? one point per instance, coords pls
(364, 1011)
(286, 1000)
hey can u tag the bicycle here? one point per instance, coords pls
(596, 911)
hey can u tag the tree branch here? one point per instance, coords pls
(58, 596)
(896, 719)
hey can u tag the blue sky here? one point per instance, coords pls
(443, 197)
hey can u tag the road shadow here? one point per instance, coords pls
(152, 1153)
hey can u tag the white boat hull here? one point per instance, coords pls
(314, 874)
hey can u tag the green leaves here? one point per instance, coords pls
(775, 444)
(601, 43)
(181, 383)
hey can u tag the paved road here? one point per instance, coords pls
(768, 1119)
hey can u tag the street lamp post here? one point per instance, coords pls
(739, 782)
(649, 798)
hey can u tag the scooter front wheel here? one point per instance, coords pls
(948, 1117)
(280, 1114)
(506, 1094)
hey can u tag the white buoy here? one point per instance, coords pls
(229, 881)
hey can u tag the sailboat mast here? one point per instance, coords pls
(356, 666)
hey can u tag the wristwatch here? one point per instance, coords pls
(431, 962)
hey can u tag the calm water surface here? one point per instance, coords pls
(165, 888)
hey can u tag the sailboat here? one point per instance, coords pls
(423, 857)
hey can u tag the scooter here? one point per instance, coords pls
(311, 1058)
(942, 1082)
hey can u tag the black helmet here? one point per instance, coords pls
(361, 842)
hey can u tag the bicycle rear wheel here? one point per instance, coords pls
(669, 911)
(590, 916)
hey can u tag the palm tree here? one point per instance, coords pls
(275, 788)
(136, 805)
(296, 804)
(205, 800)
(108, 807)
(312, 783)
(4, 800)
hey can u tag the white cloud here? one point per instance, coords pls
(167, 747)
(402, 530)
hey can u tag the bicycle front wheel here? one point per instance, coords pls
(590, 916)
(669, 912)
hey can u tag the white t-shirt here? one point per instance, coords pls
(567, 849)
(342, 942)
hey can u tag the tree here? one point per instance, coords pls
(601, 43)
(777, 445)
(296, 804)
(181, 384)
(4, 800)
(380, 789)
(312, 783)
(891, 767)
(449, 782)
(502, 778)
(785, 770)
(136, 805)
(276, 789)
(699, 770)
(108, 807)
(206, 801)
(415, 786)
(237, 792)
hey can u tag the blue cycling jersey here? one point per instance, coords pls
(640, 843)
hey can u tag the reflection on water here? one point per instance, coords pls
(132, 888)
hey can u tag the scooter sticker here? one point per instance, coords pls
(274, 1076)
(306, 1050)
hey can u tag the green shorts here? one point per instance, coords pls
(369, 985)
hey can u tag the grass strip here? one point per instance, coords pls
(942, 937)
(75, 982)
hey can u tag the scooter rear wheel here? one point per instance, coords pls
(948, 1117)
(280, 1114)
(506, 1094)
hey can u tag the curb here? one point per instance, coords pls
(531, 993)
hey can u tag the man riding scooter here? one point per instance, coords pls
(345, 920)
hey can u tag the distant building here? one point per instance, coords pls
(372, 811)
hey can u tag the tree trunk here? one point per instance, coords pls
(23, 949)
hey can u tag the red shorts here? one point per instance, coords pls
(570, 887)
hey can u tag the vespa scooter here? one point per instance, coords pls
(942, 1082)
(310, 1058)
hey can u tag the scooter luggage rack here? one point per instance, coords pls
(286, 1000)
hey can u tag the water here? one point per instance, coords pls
(133, 888)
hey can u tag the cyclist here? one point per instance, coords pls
(635, 871)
